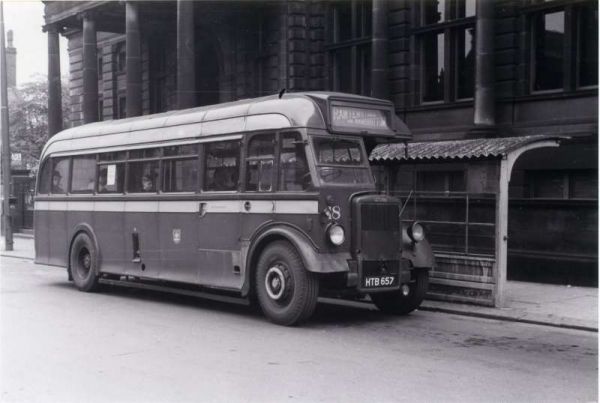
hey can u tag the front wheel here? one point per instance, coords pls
(286, 292)
(83, 261)
(397, 303)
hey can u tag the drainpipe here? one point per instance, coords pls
(484, 116)
(379, 43)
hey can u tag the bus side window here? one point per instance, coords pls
(110, 178)
(45, 177)
(143, 177)
(180, 174)
(60, 175)
(259, 163)
(222, 166)
(293, 168)
(84, 173)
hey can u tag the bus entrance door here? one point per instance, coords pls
(219, 225)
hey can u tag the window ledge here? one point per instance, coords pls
(440, 105)
(556, 95)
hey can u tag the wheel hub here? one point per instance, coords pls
(275, 283)
(85, 262)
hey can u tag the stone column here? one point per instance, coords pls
(484, 112)
(379, 43)
(55, 117)
(186, 79)
(133, 57)
(90, 70)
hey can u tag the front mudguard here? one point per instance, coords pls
(313, 260)
(420, 254)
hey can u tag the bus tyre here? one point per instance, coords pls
(398, 304)
(286, 292)
(83, 261)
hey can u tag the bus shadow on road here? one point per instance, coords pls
(329, 312)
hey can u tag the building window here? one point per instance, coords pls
(121, 58)
(564, 46)
(446, 35)
(562, 184)
(441, 181)
(122, 107)
(350, 46)
(158, 77)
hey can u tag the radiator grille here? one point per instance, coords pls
(380, 217)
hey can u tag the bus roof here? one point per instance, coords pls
(336, 112)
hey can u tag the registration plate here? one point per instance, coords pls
(379, 281)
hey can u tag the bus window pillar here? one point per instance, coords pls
(55, 118)
(133, 60)
(90, 70)
(186, 83)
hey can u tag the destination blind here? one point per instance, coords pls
(359, 119)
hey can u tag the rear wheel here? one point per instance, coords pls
(83, 261)
(286, 292)
(399, 304)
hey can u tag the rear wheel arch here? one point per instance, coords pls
(87, 229)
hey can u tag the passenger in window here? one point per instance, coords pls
(223, 179)
(102, 183)
(57, 183)
(147, 184)
(90, 185)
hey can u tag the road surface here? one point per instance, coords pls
(61, 345)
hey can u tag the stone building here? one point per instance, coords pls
(455, 69)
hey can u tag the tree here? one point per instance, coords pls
(28, 119)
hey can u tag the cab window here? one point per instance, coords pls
(260, 162)
(293, 168)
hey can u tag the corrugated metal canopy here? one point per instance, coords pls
(456, 149)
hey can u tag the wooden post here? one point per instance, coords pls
(133, 60)
(186, 79)
(90, 70)
(55, 117)
(501, 232)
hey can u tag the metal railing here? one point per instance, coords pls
(455, 222)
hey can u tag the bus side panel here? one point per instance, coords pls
(112, 241)
(42, 241)
(219, 248)
(58, 245)
(146, 225)
(179, 240)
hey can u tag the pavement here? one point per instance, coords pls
(541, 304)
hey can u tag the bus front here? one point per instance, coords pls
(389, 260)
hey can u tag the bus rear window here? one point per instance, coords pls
(44, 177)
